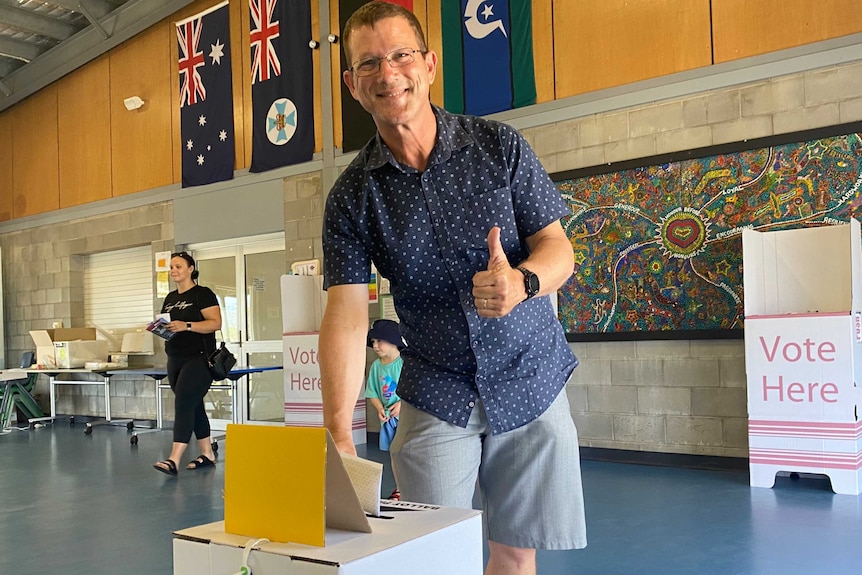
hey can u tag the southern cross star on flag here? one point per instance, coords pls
(282, 83)
(206, 97)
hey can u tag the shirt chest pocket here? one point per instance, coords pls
(485, 210)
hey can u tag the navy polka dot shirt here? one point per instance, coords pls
(426, 233)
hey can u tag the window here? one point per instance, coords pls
(118, 290)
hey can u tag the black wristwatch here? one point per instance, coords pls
(531, 282)
(188, 326)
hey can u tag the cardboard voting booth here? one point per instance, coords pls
(67, 348)
(303, 301)
(803, 353)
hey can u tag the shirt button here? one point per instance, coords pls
(471, 404)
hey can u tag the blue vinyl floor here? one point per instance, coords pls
(74, 504)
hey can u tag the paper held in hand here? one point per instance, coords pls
(159, 327)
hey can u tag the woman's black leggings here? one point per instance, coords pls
(190, 381)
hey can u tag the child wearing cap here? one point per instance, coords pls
(384, 338)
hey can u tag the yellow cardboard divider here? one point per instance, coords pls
(287, 484)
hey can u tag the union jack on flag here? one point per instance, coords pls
(264, 59)
(192, 88)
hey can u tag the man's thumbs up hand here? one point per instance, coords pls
(499, 289)
(495, 249)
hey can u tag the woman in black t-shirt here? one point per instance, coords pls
(195, 317)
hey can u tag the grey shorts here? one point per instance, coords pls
(529, 479)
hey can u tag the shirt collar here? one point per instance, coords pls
(451, 136)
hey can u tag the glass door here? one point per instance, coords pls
(246, 277)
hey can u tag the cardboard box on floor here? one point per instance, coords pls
(803, 353)
(67, 348)
(303, 302)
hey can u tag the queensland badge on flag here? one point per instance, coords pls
(206, 97)
(282, 84)
(487, 55)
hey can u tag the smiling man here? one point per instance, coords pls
(458, 213)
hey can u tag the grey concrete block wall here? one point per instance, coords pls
(42, 283)
(689, 396)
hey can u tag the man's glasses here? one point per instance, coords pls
(397, 58)
(180, 255)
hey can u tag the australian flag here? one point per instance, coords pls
(206, 97)
(282, 83)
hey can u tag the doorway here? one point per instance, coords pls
(245, 275)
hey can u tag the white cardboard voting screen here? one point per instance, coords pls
(803, 353)
(303, 303)
(813, 270)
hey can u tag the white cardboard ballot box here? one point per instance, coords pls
(418, 539)
(803, 353)
(303, 301)
(67, 348)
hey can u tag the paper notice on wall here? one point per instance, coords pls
(387, 308)
(162, 285)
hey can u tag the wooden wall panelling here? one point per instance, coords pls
(602, 44)
(5, 166)
(36, 186)
(335, 75)
(318, 81)
(434, 37)
(543, 49)
(742, 28)
(244, 57)
(239, 60)
(142, 140)
(84, 134)
(237, 55)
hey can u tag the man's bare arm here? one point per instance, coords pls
(343, 334)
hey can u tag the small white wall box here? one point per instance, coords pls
(803, 353)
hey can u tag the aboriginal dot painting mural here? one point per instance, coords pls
(658, 247)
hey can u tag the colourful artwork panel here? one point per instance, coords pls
(658, 248)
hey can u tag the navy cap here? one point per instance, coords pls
(386, 330)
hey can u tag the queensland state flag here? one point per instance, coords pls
(487, 55)
(206, 97)
(357, 127)
(282, 83)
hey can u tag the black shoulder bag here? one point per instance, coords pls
(219, 362)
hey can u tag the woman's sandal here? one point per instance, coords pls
(201, 462)
(167, 466)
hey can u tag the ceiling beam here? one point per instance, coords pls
(99, 8)
(29, 21)
(123, 23)
(18, 49)
(9, 65)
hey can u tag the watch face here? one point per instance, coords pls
(531, 282)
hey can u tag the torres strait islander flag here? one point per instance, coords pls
(357, 127)
(487, 55)
(206, 97)
(282, 84)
